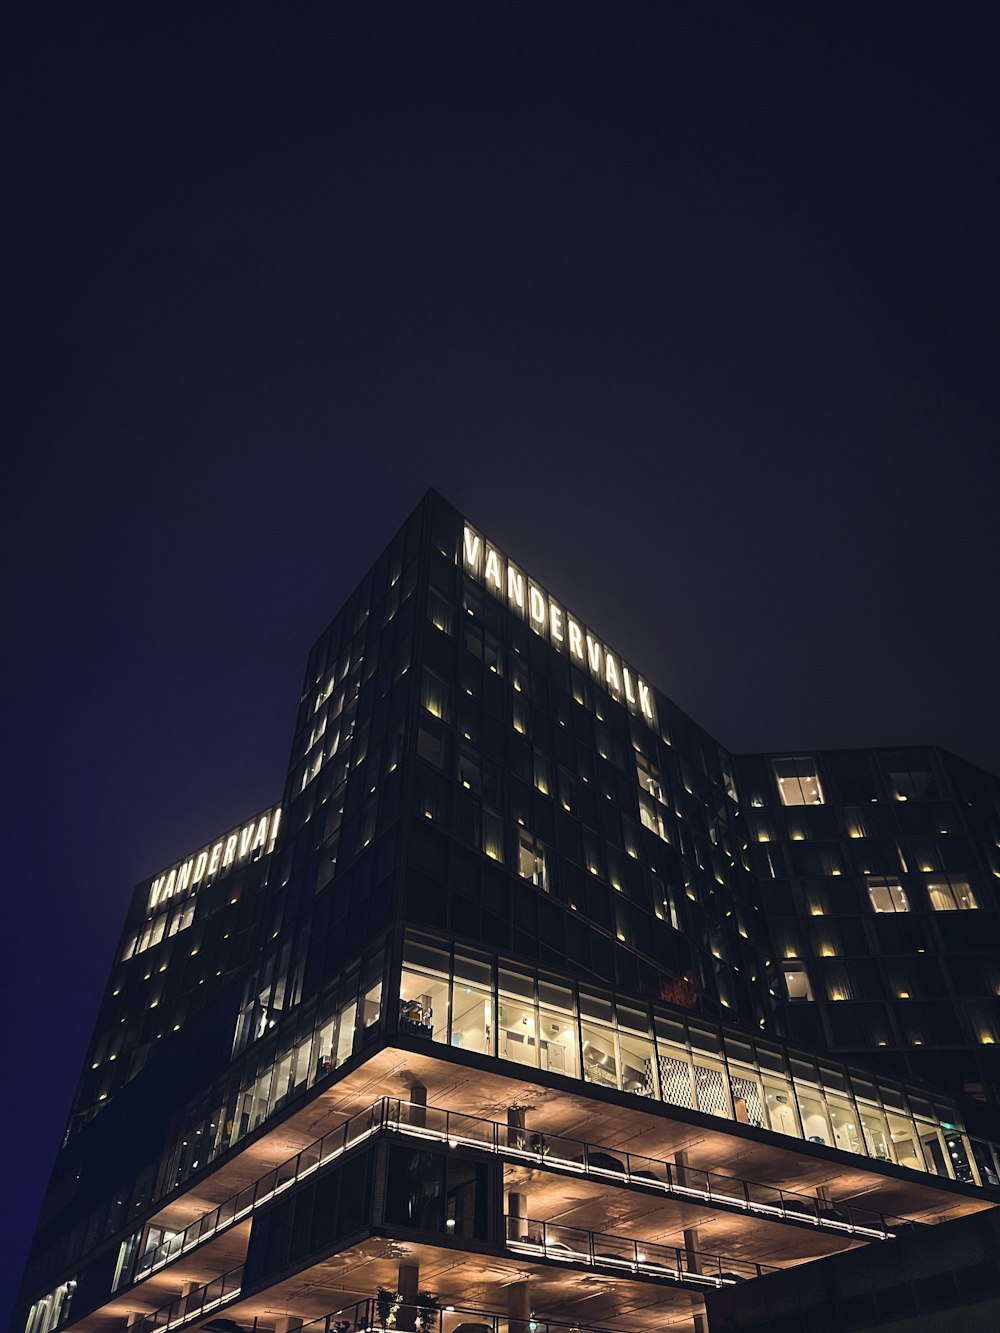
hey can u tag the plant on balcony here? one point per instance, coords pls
(387, 1305)
(427, 1308)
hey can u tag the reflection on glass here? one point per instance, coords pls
(557, 1036)
(873, 1127)
(516, 1036)
(637, 1065)
(845, 1125)
(904, 1143)
(599, 1062)
(780, 1107)
(471, 1020)
(815, 1123)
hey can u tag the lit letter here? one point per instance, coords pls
(576, 640)
(493, 569)
(629, 692)
(201, 861)
(555, 622)
(275, 821)
(515, 587)
(471, 544)
(536, 606)
(154, 892)
(246, 836)
(645, 699)
(213, 860)
(229, 856)
(594, 654)
(611, 674)
(184, 876)
(261, 837)
(168, 888)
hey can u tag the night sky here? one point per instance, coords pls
(692, 309)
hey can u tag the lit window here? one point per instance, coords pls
(651, 798)
(649, 778)
(948, 893)
(798, 781)
(435, 695)
(887, 895)
(531, 859)
(797, 983)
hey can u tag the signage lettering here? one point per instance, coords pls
(552, 621)
(233, 849)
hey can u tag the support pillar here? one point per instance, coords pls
(519, 1307)
(515, 1126)
(287, 1324)
(407, 1284)
(692, 1264)
(517, 1216)
(417, 1110)
(680, 1163)
(186, 1290)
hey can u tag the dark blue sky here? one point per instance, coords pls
(694, 310)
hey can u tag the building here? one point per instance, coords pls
(943, 1279)
(482, 1028)
(878, 870)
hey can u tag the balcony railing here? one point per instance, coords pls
(348, 1135)
(599, 1249)
(365, 1317)
(652, 1173)
(194, 1305)
(547, 1150)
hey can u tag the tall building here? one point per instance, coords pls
(482, 1028)
(878, 870)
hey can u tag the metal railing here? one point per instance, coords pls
(367, 1317)
(660, 1174)
(641, 1258)
(549, 1150)
(194, 1305)
(352, 1132)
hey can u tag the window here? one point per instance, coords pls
(950, 893)
(797, 983)
(798, 781)
(913, 785)
(651, 798)
(439, 612)
(435, 696)
(887, 895)
(531, 859)
(649, 778)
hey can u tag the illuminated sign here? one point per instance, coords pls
(247, 843)
(554, 623)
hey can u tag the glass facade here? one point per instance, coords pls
(460, 997)
(499, 847)
(881, 905)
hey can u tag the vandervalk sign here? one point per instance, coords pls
(554, 623)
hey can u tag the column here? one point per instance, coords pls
(519, 1307)
(417, 1111)
(692, 1264)
(407, 1284)
(517, 1216)
(515, 1126)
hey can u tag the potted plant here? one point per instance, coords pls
(387, 1305)
(427, 1308)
